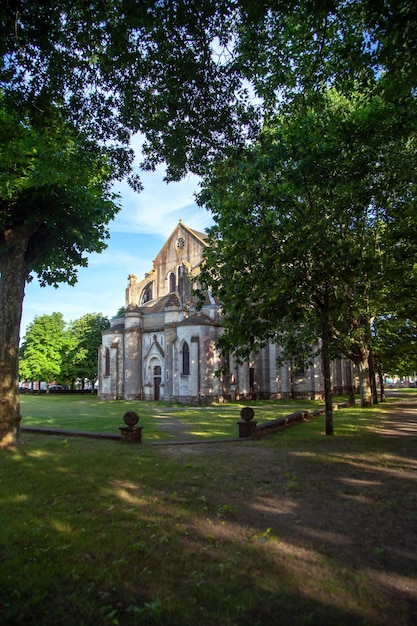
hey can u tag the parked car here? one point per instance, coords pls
(56, 388)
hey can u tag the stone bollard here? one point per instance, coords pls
(247, 428)
(131, 433)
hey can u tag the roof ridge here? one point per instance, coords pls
(201, 236)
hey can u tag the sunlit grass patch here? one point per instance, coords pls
(160, 420)
(164, 422)
(97, 532)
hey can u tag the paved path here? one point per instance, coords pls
(400, 416)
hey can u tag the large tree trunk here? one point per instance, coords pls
(372, 379)
(364, 379)
(12, 291)
(381, 383)
(325, 364)
(349, 382)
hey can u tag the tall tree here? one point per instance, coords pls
(55, 204)
(301, 217)
(43, 349)
(87, 337)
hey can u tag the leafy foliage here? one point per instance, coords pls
(117, 66)
(56, 183)
(86, 334)
(395, 345)
(55, 204)
(52, 350)
(43, 350)
(180, 72)
(302, 245)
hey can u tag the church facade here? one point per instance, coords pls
(162, 348)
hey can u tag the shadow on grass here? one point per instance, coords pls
(294, 529)
(160, 420)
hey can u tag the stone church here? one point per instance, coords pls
(162, 348)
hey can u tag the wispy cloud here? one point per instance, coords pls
(160, 206)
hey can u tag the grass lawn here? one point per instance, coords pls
(294, 529)
(161, 421)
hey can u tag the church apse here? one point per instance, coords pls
(162, 348)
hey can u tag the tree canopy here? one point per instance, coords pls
(43, 349)
(55, 189)
(196, 78)
(118, 66)
(55, 204)
(184, 73)
(395, 345)
(86, 334)
(302, 247)
(55, 351)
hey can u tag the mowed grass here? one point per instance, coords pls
(161, 421)
(294, 529)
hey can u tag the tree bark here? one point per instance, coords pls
(349, 382)
(12, 291)
(364, 380)
(372, 379)
(381, 384)
(325, 364)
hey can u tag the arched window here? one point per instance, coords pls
(157, 370)
(172, 282)
(185, 358)
(107, 363)
(147, 293)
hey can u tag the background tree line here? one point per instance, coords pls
(53, 351)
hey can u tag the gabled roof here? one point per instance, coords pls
(198, 236)
(201, 236)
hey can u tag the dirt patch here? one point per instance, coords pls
(345, 504)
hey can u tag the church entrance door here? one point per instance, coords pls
(156, 385)
(252, 393)
(156, 382)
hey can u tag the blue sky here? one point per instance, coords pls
(136, 236)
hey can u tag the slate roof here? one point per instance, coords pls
(159, 304)
(198, 319)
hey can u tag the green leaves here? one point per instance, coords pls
(305, 221)
(195, 79)
(52, 350)
(57, 182)
(43, 349)
(395, 344)
(86, 333)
